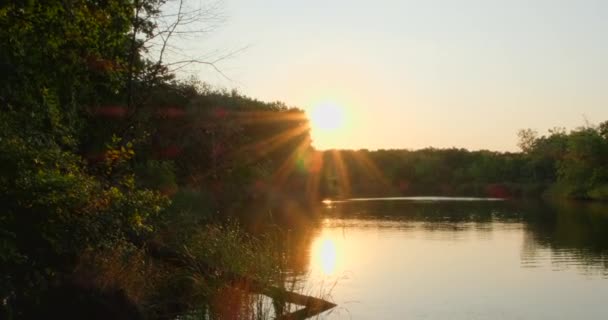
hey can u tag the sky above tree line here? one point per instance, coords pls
(415, 74)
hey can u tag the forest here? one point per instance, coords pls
(127, 190)
(559, 164)
(118, 180)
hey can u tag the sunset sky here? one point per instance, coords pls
(413, 74)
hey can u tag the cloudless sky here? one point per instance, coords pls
(413, 74)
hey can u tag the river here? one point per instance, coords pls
(457, 258)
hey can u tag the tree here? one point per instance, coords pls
(584, 163)
(62, 62)
(603, 129)
(527, 139)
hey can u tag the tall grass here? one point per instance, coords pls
(260, 258)
(202, 284)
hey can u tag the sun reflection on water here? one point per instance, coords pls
(325, 256)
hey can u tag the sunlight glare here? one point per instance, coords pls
(327, 117)
(326, 255)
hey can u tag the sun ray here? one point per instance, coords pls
(342, 172)
(255, 117)
(289, 165)
(274, 142)
(315, 164)
(260, 148)
(371, 169)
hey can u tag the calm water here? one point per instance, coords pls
(427, 258)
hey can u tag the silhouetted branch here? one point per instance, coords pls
(183, 63)
(177, 22)
(312, 305)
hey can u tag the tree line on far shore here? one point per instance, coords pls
(558, 164)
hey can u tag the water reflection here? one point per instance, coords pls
(462, 260)
(324, 255)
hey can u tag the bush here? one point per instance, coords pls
(599, 193)
(157, 175)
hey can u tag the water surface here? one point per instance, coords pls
(436, 258)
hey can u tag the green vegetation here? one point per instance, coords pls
(118, 182)
(561, 164)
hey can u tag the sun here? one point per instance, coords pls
(326, 117)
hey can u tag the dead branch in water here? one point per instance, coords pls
(312, 305)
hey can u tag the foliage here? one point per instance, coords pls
(53, 209)
(96, 139)
(579, 160)
(429, 172)
(561, 164)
